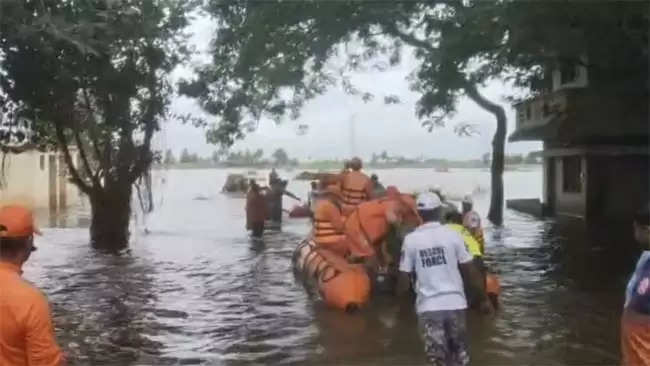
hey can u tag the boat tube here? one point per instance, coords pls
(341, 285)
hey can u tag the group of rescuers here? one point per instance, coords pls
(435, 255)
(442, 261)
(443, 255)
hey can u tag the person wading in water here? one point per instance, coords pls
(256, 210)
(26, 331)
(437, 256)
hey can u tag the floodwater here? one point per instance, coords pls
(197, 291)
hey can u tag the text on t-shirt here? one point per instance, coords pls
(434, 256)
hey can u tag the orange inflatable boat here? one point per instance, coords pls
(342, 285)
(300, 211)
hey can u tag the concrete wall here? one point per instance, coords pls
(613, 188)
(27, 180)
(568, 203)
(618, 186)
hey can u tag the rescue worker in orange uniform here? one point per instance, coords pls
(329, 222)
(356, 187)
(371, 221)
(26, 331)
(256, 210)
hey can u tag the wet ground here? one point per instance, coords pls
(197, 291)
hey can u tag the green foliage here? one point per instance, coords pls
(281, 157)
(93, 74)
(270, 57)
(514, 159)
(186, 157)
(170, 159)
(246, 158)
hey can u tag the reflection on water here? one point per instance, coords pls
(196, 290)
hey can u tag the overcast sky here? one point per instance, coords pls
(377, 126)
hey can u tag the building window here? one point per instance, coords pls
(42, 162)
(568, 73)
(571, 174)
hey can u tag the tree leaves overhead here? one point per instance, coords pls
(265, 47)
(268, 58)
(94, 74)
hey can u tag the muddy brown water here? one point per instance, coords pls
(197, 291)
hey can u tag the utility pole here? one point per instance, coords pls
(353, 148)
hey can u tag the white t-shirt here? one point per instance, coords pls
(433, 253)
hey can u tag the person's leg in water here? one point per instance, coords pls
(434, 337)
(257, 229)
(456, 334)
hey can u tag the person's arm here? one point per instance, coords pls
(480, 267)
(472, 276)
(406, 268)
(370, 190)
(292, 195)
(41, 346)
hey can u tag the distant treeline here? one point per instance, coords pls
(225, 159)
(280, 158)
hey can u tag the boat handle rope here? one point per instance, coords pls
(309, 258)
(322, 271)
(335, 273)
(318, 270)
(296, 253)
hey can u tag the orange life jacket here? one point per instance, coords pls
(366, 226)
(324, 231)
(354, 188)
(635, 339)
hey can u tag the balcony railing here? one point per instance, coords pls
(541, 109)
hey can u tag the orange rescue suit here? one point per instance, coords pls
(26, 331)
(366, 226)
(356, 188)
(635, 339)
(328, 229)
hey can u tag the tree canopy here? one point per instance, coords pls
(281, 157)
(270, 57)
(94, 75)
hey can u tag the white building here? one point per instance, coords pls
(37, 179)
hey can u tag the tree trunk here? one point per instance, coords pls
(111, 212)
(495, 214)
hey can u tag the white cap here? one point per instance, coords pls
(468, 199)
(428, 201)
